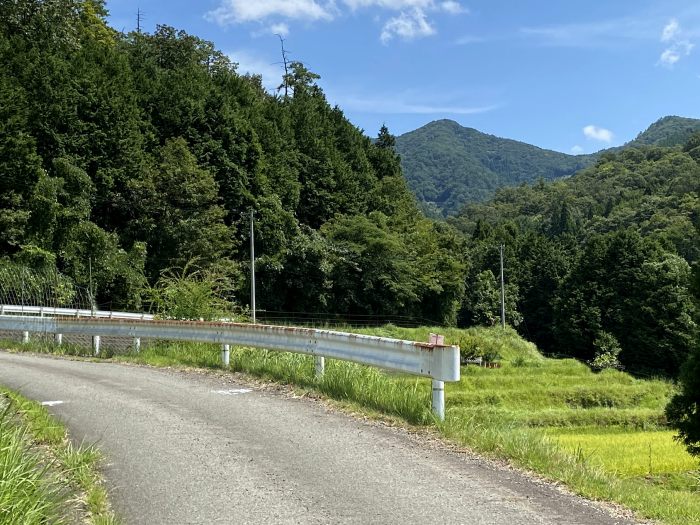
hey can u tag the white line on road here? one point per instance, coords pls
(232, 392)
(51, 403)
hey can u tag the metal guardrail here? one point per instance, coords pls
(48, 311)
(437, 361)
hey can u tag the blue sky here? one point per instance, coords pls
(573, 76)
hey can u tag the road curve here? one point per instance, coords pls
(188, 448)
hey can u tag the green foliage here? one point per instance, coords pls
(194, 293)
(607, 352)
(123, 155)
(607, 250)
(447, 165)
(683, 411)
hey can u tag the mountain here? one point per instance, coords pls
(447, 165)
(667, 131)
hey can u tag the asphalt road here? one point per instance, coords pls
(186, 447)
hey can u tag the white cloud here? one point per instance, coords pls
(408, 26)
(576, 150)
(411, 20)
(393, 5)
(279, 29)
(249, 63)
(240, 11)
(678, 46)
(453, 8)
(670, 30)
(597, 133)
(669, 57)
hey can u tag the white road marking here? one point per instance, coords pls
(232, 392)
(51, 403)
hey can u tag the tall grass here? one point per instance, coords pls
(29, 492)
(45, 485)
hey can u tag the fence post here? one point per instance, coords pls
(320, 366)
(96, 344)
(137, 344)
(58, 339)
(225, 354)
(25, 337)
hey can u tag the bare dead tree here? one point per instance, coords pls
(285, 65)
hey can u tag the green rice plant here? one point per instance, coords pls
(624, 452)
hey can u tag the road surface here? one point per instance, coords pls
(193, 448)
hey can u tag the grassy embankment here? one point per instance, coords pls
(602, 434)
(44, 479)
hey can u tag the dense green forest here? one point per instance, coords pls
(447, 165)
(127, 157)
(599, 264)
(124, 155)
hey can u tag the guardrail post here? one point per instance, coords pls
(438, 386)
(25, 337)
(58, 339)
(439, 399)
(320, 365)
(225, 354)
(137, 344)
(96, 344)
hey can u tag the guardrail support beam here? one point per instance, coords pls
(320, 366)
(439, 399)
(225, 355)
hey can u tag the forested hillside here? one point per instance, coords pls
(447, 165)
(598, 265)
(125, 158)
(124, 155)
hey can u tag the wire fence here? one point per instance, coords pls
(338, 320)
(24, 286)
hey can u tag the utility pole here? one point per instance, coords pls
(252, 266)
(503, 294)
(139, 17)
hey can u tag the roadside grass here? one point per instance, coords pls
(594, 432)
(45, 479)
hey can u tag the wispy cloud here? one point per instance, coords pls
(240, 11)
(678, 45)
(469, 39)
(252, 64)
(577, 150)
(597, 133)
(453, 8)
(670, 30)
(411, 19)
(408, 26)
(408, 103)
(281, 29)
(592, 34)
